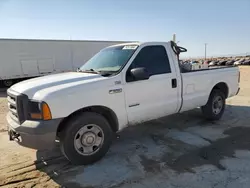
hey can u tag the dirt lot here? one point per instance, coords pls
(182, 150)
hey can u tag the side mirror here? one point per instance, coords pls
(140, 73)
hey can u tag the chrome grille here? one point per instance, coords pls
(18, 106)
(12, 105)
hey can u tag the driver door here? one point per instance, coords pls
(155, 97)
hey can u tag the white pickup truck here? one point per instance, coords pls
(122, 85)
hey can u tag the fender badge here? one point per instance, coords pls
(117, 82)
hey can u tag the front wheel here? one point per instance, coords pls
(215, 106)
(86, 139)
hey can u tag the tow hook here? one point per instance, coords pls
(14, 136)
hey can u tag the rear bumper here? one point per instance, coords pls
(34, 134)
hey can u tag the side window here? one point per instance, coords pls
(153, 58)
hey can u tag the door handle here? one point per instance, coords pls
(174, 83)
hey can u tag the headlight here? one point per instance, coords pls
(39, 110)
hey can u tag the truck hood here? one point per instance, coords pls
(50, 84)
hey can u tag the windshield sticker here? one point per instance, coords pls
(129, 47)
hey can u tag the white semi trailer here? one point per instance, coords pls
(24, 58)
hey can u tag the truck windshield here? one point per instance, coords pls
(109, 60)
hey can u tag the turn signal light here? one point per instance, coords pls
(46, 111)
(36, 116)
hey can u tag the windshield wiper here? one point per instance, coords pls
(90, 71)
(101, 72)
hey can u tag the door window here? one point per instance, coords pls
(153, 58)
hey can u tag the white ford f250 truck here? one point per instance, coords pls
(121, 85)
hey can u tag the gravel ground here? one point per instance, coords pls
(182, 150)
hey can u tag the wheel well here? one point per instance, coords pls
(222, 87)
(106, 112)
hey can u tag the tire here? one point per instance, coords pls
(209, 109)
(72, 142)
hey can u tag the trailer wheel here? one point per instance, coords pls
(86, 138)
(7, 83)
(215, 106)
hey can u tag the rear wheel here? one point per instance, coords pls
(215, 106)
(86, 138)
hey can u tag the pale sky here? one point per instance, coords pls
(223, 24)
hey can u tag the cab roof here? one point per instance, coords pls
(135, 43)
(127, 44)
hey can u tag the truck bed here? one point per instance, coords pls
(209, 68)
(197, 84)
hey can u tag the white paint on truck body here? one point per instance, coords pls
(134, 102)
(198, 85)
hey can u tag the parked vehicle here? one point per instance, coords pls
(21, 59)
(237, 62)
(216, 62)
(222, 62)
(122, 85)
(207, 62)
(212, 63)
(246, 62)
(230, 62)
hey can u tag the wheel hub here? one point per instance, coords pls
(217, 105)
(88, 139)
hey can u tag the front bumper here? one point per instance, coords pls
(34, 134)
